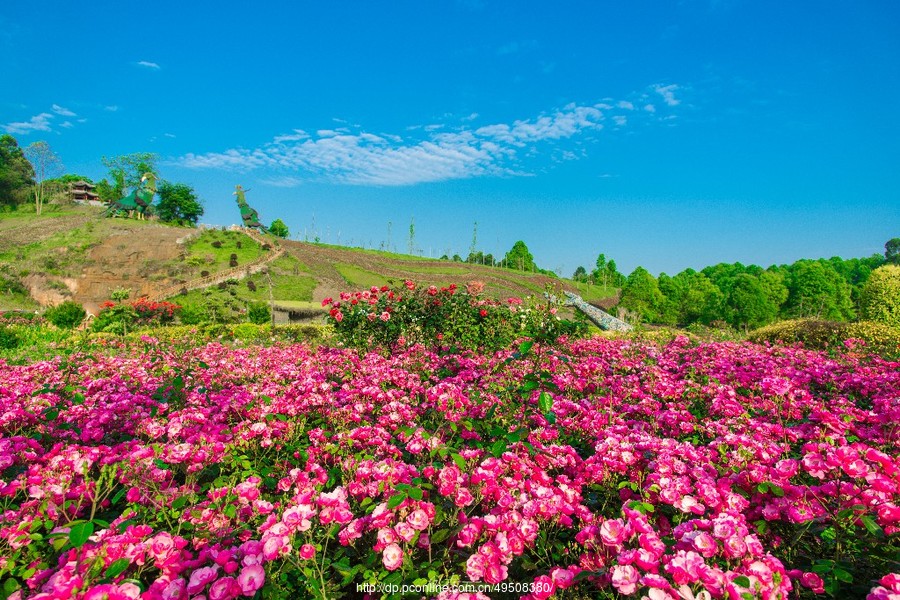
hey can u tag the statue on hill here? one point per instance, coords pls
(138, 201)
(248, 213)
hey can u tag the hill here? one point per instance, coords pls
(75, 253)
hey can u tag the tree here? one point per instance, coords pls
(747, 304)
(816, 289)
(519, 258)
(642, 295)
(129, 168)
(580, 274)
(892, 251)
(690, 298)
(178, 204)
(279, 229)
(46, 165)
(67, 315)
(881, 296)
(16, 173)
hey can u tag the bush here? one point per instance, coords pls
(193, 314)
(67, 315)
(830, 335)
(259, 313)
(9, 339)
(394, 318)
(881, 296)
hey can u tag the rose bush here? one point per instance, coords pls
(597, 468)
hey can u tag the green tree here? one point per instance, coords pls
(16, 174)
(178, 204)
(279, 229)
(748, 305)
(641, 295)
(690, 298)
(816, 289)
(881, 296)
(519, 258)
(129, 168)
(580, 274)
(892, 251)
(46, 165)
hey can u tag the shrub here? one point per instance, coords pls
(233, 261)
(830, 335)
(193, 314)
(392, 318)
(67, 315)
(881, 296)
(259, 313)
(9, 339)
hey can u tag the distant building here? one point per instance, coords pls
(82, 192)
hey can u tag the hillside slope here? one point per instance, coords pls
(75, 253)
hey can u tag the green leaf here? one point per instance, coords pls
(499, 447)
(440, 535)
(51, 413)
(871, 526)
(545, 402)
(843, 575)
(396, 500)
(179, 502)
(525, 347)
(230, 511)
(742, 581)
(459, 460)
(80, 532)
(117, 568)
(78, 398)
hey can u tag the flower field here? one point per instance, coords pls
(585, 469)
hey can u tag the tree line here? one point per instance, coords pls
(749, 296)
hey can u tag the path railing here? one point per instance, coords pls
(234, 273)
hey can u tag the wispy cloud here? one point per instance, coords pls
(668, 93)
(63, 112)
(451, 152)
(39, 122)
(148, 64)
(285, 181)
(111, 108)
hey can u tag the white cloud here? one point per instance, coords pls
(427, 154)
(650, 108)
(111, 108)
(39, 122)
(169, 135)
(148, 64)
(626, 105)
(67, 124)
(668, 93)
(63, 112)
(285, 181)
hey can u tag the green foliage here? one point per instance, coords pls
(390, 318)
(747, 303)
(178, 203)
(126, 170)
(642, 296)
(519, 258)
(817, 290)
(9, 339)
(892, 251)
(279, 229)
(259, 313)
(16, 174)
(817, 334)
(67, 315)
(881, 296)
(690, 298)
(193, 314)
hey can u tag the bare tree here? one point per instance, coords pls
(46, 166)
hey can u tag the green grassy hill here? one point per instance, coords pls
(75, 253)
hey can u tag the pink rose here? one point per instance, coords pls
(418, 520)
(612, 532)
(251, 579)
(392, 557)
(625, 578)
(225, 588)
(307, 551)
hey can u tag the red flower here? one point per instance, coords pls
(483, 312)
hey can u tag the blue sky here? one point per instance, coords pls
(663, 134)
